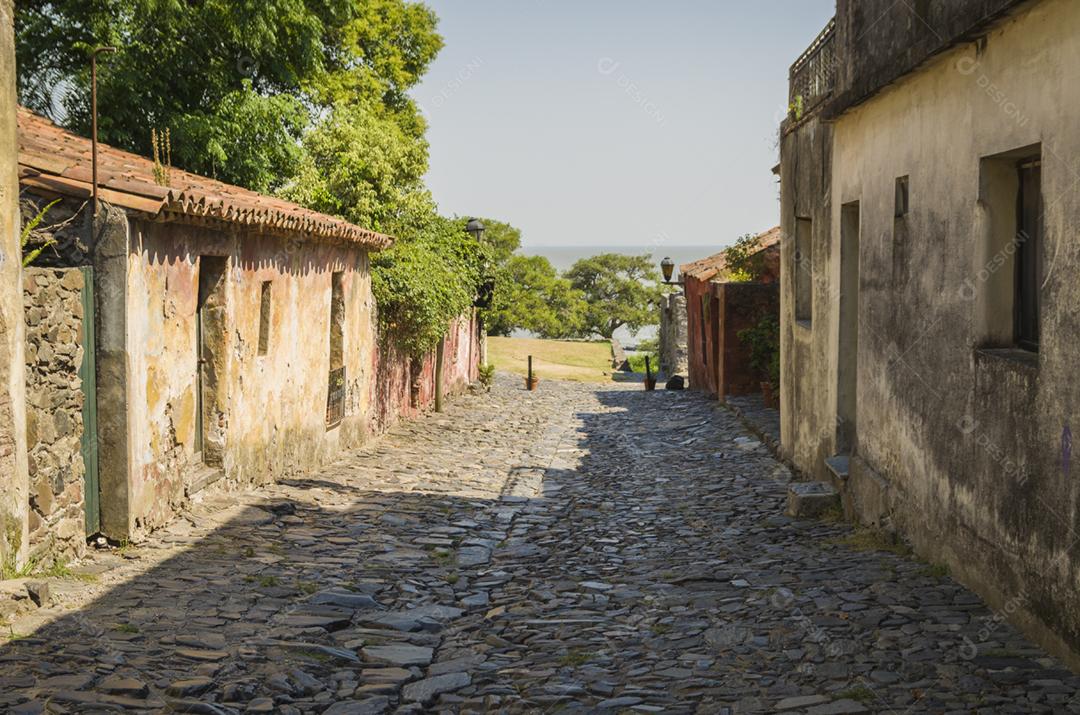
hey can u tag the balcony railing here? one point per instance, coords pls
(813, 75)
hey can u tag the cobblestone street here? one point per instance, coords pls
(576, 549)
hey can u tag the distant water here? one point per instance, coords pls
(563, 257)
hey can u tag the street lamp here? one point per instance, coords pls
(667, 267)
(475, 228)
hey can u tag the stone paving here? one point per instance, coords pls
(576, 549)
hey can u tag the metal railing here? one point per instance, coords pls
(335, 399)
(813, 75)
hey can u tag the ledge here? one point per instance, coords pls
(1013, 356)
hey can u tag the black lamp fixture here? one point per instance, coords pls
(667, 267)
(475, 228)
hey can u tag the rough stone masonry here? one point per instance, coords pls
(54, 403)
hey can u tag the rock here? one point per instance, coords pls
(398, 654)
(189, 688)
(840, 707)
(426, 690)
(801, 701)
(346, 599)
(677, 382)
(370, 706)
(809, 500)
(38, 592)
(118, 685)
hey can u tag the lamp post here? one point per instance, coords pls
(475, 228)
(667, 267)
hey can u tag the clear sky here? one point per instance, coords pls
(614, 122)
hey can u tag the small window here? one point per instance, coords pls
(804, 269)
(902, 197)
(1029, 254)
(264, 317)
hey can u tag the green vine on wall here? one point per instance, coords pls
(764, 342)
(427, 279)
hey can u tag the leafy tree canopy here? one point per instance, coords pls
(503, 239)
(619, 291)
(237, 82)
(426, 280)
(530, 295)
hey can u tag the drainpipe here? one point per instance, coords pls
(93, 122)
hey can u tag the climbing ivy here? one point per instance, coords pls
(430, 276)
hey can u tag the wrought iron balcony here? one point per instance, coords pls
(813, 75)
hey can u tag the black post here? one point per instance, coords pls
(530, 368)
(648, 369)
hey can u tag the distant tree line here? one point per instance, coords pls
(593, 299)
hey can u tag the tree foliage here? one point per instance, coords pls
(745, 260)
(530, 295)
(619, 291)
(237, 82)
(426, 280)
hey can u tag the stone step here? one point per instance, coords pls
(808, 500)
(839, 465)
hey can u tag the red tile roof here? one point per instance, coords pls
(708, 268)
(53, 159)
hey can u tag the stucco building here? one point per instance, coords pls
(230, 337)
(929, 302)
(718, 310)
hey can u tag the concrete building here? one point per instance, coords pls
(929, 302)
(718, 309)
(14, 485)
(231, 336)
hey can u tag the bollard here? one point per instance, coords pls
(531, 381)
(650, 381)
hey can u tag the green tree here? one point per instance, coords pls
(503, 239)
(530, 295)
(619, 291)
(237, 83)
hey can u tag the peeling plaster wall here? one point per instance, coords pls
(14, 484)
(808, 362)
(963, 450)
(406, 387)
(674, 349)
(271, 409)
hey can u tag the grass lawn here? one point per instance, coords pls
(552, 359)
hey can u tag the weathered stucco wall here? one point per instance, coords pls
(14, 483)
(807, 347)
(265, 415)
(405, 387)
(701, 323)
(965, 450)
(54, 418)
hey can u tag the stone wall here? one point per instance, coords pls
(674, 359)
(54, 403)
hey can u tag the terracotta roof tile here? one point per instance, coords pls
(708, 268)
(54, 159)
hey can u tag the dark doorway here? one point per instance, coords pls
(210, 337)
(847, 389)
